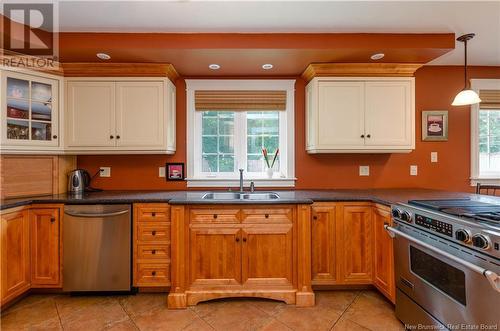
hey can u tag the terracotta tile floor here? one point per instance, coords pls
(334, 310)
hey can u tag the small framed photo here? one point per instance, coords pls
(435, 125)
(175, 171)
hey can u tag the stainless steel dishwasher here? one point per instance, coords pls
(97, 245)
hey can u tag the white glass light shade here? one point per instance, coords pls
(466, 97)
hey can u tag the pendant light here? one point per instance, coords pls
(466, 96)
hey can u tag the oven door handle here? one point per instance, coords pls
(491, 276)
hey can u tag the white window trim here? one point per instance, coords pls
(475, 178)
(287, 132)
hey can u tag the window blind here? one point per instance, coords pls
(234, 100)
(490, 99)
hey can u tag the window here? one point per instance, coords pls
(221, 141)
(485, 133)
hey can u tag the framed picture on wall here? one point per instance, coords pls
(175, 171)
(435, 125)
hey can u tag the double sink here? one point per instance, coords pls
(240, 196)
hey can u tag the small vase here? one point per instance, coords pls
(269, 172)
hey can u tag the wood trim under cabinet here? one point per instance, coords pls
(360, 70)
(84, 69)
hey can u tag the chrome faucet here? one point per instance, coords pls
(241, 179)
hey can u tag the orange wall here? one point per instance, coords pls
(435, 89)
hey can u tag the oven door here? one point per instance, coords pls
(449, 282)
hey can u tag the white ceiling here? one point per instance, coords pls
(482, 18)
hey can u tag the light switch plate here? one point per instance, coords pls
(413, 170)
(434, 157)
(161, 171)
(105, 172)
(364, 170)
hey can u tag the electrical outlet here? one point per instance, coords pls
(105, 172)
(364, 170)
(434, 157)
(413, 170)
(161, 171)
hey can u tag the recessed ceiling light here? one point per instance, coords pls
(267, 66)
(377, 56)
(103, 56)
(214, 66)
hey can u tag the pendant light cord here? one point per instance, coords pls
(465, 67)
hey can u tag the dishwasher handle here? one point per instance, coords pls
(89, 215)
(491, 276)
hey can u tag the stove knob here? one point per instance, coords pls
(406, 216)
(480, 241)
(462, 235)
(396, 213)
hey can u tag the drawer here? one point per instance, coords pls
(154, 232)
(152, 212)
(214, 215)
(153, 252)
(152, 274)
(267, 215)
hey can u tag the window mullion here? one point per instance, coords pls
(240, 137)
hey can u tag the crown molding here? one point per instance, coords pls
(360, 70)
(93, 69)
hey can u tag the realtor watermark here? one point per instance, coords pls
(30, 35)
(458, 326)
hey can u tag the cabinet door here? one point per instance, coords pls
(324, 241)
(171, 118)
(91, 114)
(383, 273)
(15, 255)
(29, 110)
(267, 255)
(340, 119)
(388, 113)
(215, 255)
(356, 244)
(45, 247)
(140, 114)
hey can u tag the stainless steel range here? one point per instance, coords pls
(447, 259)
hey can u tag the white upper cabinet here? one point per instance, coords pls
(29, 112)
(360, 115)
(120, 115)
(91, 114)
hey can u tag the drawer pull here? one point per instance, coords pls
(266, 215)
(153, 233)
(153, 251)
(315, 217)
(52, 219)
(215, 215)
(153, 273)
(237, 240)
(153, 214)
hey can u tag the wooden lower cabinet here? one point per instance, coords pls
(351, 247)
(383, 271)
(233, 252)
(356, 244)
(15, 254)
(151, 245)
(324, 244)
(45, 225)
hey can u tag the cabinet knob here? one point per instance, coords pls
(244, 239)
(237, 239)
(153, 251)
(362, 136)
(215, 215)
(368, 136)
(315, 217)
(117, 137)
(54, 137)
(153, 233)
(52, 219)
(266, 215)
(111, 137)
(153, 214)
(153, 273)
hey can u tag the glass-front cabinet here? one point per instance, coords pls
(29, 110)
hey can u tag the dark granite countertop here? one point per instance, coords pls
(382, 196)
